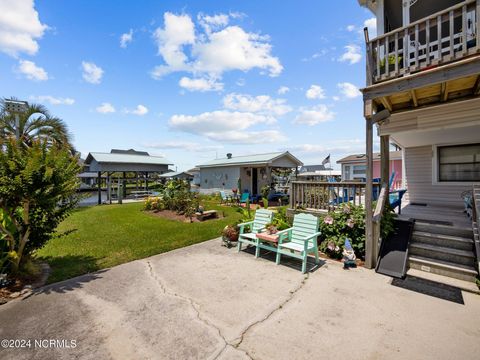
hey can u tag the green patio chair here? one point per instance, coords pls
(302, 238)
(225, 199)
(262, 218)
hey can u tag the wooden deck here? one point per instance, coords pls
(440, 215)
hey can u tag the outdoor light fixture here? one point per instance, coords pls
(16, 107)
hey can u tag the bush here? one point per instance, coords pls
(176, 196)
(38, 187)
(348, 221)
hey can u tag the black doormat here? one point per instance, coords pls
(417, 204)
(430, 288)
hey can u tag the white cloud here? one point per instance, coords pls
(20, 27)
(214, 51)
(227, 126)
(179, 31)
(126, 38)
(241, 82)
(315, 115)
(371, 24)
(200, 84)
(212, 22)
(32, 71)
(315, 92)
(349, 90)
(336, 98)
(350, 27)
(91, 72)
(352, 54)
(105, 108)
(283, 90)
(53, 100)
(140, 110)
(184, 145)
(262, 104)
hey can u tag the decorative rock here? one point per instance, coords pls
(3, 301)
(15, 295)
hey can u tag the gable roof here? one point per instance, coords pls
(175, 174)
(255, 159)
(309, 168)
(394, 155)
(122, 158)
(129, 151)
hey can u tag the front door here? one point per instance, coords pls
(254, 181)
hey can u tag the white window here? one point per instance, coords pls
(459, 163)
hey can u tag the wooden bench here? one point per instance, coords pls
(209, 214)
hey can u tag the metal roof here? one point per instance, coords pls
(394, 155)
(256, 159)
(116, 158)
(174, 174)
(321, 173)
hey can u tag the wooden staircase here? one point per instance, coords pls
(443, 250)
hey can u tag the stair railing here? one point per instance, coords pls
(476, 223)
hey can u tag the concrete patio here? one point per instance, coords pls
(209, 302)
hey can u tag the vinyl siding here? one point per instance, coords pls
(418, 171)
(460, 113)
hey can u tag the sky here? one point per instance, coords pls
(193, 80)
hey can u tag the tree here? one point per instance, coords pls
(35, 124)
(38, 186)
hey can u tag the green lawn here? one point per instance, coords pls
(103, 236)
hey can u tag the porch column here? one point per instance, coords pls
(124, 184)
(109, 194)
(369, 246)
(99, 184)
(385, 162)
(146, 181)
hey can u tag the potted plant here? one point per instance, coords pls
(271, 228)
(229, 235)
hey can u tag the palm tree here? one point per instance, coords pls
(35, 124)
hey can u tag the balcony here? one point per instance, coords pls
(442, 38)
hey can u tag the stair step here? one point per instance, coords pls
(456, 256)
(443, 229)
(441, 267)
(449, 241)
(461, 284)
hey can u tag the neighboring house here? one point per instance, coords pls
(311, 168)
(354, 167)
(120, 162)
(249, 173)
(184, 175)
(196, 175)
(422, 94)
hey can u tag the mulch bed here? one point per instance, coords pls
(23, 285)
(172, 215)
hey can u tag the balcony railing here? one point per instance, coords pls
(443, 37)
(322, 195)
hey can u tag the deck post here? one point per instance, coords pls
(385, 161)
(124, 185)
(369, 246)
(109, 190)
(146, 181)
(99, 184)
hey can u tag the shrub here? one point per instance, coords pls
(348, 221)
(176, 196)
(37, 191)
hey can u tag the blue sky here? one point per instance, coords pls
(192, 79)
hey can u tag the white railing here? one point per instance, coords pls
(443, 37)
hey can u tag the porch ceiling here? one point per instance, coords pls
(460, 135)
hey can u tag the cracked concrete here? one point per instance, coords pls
(209, 302)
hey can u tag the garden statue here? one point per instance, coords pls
(348, 255)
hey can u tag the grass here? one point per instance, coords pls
(98, 237)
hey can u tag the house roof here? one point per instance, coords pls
(124, 158)
(129, 151)
(321, 173)
(309, 168)
(256, 159)
(174, 174)
(394, 155)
